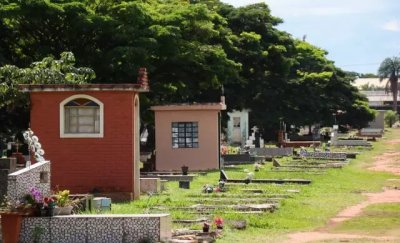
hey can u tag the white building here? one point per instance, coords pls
(238, 127)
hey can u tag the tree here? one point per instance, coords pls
(390, 69)
(390, 118)
(190, 48)
(14, 105)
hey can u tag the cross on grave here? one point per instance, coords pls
(254, 129)
(17, 145)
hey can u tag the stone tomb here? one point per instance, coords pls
(272, 152)
(335, 141)
(230, 159)
(371, 132)
(323, 155)
(21, 181)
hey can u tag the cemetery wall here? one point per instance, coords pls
(98, 228)
(84, 165)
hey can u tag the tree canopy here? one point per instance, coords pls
(191, 49)
(390, 70)
(14, 105)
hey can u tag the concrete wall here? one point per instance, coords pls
(205, 157)
(7, 166)
(86, 164)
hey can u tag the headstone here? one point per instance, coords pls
(9, 164)
(255, 140)
(184, 184)
(150, 185)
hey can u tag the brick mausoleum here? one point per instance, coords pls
(90, 133)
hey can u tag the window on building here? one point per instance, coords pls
(185, 135)
(81, 116)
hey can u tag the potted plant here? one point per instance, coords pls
(49, 203)
(63, 204)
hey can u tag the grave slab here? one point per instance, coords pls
(150, 185)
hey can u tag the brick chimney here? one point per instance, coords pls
(142, 78)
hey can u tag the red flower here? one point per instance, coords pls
(218, 221)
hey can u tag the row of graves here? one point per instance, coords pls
(253, 183)
(201, 213)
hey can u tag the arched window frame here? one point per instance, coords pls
(81, 135)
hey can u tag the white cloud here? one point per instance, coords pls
(393, 25)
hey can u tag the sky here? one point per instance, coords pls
(358, 34)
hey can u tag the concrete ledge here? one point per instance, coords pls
(170, 177)
(97, 228)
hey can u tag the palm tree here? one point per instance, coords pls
(390, 69)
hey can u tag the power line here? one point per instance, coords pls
(360, 64)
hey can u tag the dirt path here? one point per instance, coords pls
(388, 162)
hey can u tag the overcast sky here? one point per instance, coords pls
(358, 34)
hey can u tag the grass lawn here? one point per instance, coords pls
(308, 209)
(376, 220)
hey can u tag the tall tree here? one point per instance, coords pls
(390, 69)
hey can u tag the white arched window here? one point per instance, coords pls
(81, 116)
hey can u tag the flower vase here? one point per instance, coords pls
(185, 170)
(11, 226)
(66, 210)
(206, 228)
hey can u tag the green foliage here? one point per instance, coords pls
(62, 198)
(190, 48)
(14, 104)
(390, 118)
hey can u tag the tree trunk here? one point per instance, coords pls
(395, 92)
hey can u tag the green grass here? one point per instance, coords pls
(311, 208)
(376, 220)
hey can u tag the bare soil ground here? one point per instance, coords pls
(388, 162)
